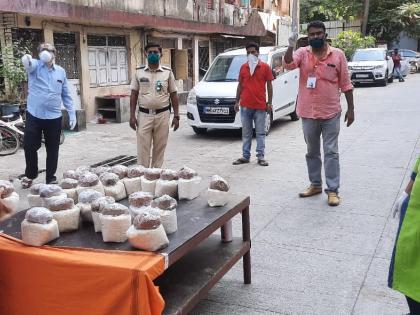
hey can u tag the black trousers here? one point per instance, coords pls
(414, 306)
(34, 128)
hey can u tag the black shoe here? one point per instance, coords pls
(52, 181)
(241, 160)
(262, 162)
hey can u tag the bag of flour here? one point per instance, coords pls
(67, 220)
(86, 198)
(69, 186)
(39, 227)
(89, 181)
(132, 182)
(167, 211)
(34, 199)
(149, 179)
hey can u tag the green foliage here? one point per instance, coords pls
(12, 70)
(330, 10)
(349, 41)
(388, 18)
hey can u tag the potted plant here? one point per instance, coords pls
(14, 76)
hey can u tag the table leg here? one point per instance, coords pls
(226, 232)
(246, 236)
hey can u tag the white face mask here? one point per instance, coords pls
(252, 62)
(46, 56)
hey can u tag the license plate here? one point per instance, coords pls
(362, 75)
(216, 110)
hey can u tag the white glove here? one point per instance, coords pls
(293, 38)
(72, 122)
(27, 61)
(398, 203)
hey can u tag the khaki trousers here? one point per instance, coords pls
(152, 131)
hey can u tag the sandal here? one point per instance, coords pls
(241, 160)
(26, 182)
(262, 162)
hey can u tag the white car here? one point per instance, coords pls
(210, 103)
(371, 65)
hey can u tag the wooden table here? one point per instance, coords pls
(195, 259)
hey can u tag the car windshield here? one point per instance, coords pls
(406, 53)
(226, 68)
(368, 55)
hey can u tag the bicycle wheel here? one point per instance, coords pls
(9, 142)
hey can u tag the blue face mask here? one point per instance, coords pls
(317, 42)
(153, 58)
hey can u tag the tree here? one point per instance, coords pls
(330, 10)
(388, 18)
(349, 41)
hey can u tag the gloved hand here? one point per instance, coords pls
(72, 121)
(27, 61)
(398, 203)
(293, 38)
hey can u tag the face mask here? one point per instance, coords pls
(317, 42)
(252, 58)
(153, 58)
(46, 56)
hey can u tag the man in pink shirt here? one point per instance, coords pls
(323, 76)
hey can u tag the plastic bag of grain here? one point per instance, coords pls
(9, 196)
(115, 221)
(147, 233)
(86, 199)
(97, 207)
(188, 184)
(167, 210)
(34, 199)
(218, 192)
(69, 186)
(167, 184)
(39, 227)
(46, 192)
(65, 213)
(113, 186)
(132, 182)
(90, 181)
(149, 179)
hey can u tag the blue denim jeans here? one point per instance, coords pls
(248, 117)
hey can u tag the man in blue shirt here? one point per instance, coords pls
(47, 89)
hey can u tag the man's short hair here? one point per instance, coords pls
(152, 45)
(253, 44)
(47, 46)
(316, 24)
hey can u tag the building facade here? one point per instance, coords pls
(100, 42)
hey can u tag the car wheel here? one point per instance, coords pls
(384, 82)
(199, 131)
(268, 122)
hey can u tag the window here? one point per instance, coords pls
(276, 64)
(108, 63)
(210, 4)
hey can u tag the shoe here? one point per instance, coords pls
(25, 182)
(52, 181)
(241, 160)
(333, 199)
(310, 191)
(262, 162)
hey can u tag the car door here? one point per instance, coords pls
(281, 92)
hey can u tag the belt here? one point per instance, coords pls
(154, 111)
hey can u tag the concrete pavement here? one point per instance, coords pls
(307, 257)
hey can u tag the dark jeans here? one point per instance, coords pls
(34, 128)
(414, 306)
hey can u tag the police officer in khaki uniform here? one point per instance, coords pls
(152, 86)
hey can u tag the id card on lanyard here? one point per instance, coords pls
(311, 82)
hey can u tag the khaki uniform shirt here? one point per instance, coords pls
(153, 95)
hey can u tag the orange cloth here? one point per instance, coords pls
(69, 281)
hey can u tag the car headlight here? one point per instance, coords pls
(379, 67)
(192, 97)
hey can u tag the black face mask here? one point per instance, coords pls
(317, 42)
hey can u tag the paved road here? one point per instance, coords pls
(307, 258)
